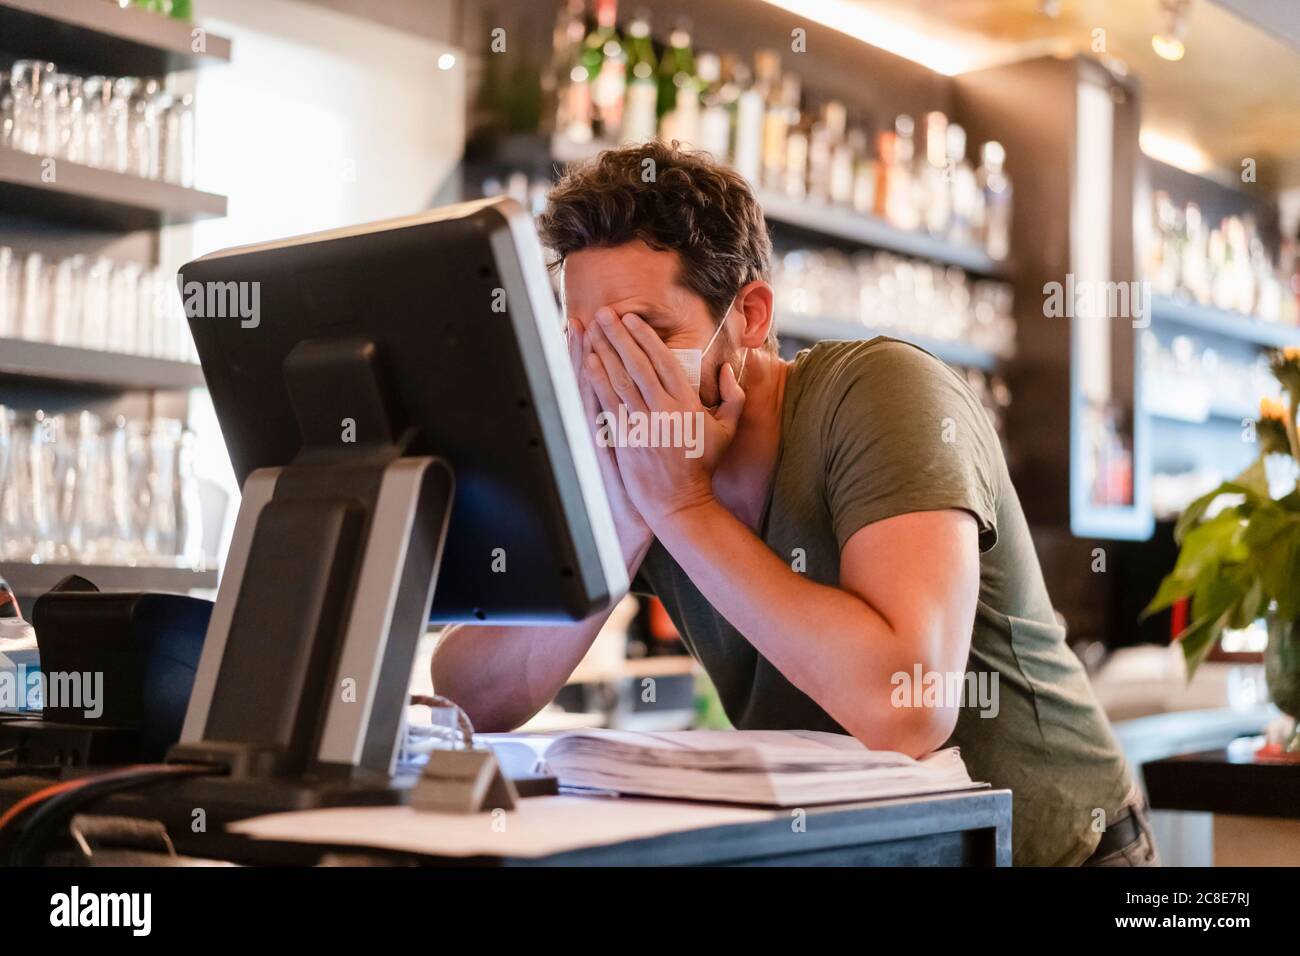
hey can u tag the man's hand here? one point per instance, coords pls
(633, 533)
(630, 367)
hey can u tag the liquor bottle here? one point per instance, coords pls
(782, 113)
(798, 145)
(639, 117)
(715, 117)
(1243, 276)
(751, 108)
(827, 133)
(606, 65)
(566, 44)
(1217, 258)
(996, 188)
(865, 169)
(934, 181)
(767, 68)
(886, 162)
(1168, 272)
(1190, 268)
(844, 160)
(577, 112)
(795, 179)
(678, 100)
(900, 195)
(965, 192)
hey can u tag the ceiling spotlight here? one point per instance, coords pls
(1168, 44)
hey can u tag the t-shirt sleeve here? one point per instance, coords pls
(905, 434)
(641, 580)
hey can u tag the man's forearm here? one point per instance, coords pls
(829, 643)
(501, 676)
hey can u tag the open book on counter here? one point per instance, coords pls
(777, 768)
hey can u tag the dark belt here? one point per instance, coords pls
(1117, 836)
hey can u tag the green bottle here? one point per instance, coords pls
(676, 69)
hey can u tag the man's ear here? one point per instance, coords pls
(754, 302)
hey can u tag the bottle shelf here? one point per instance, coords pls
(837, 223)
(99, 198)
(92, 368)
(814, 328)
(31, 579)
(1168, 310)
(844, 224)
(99, 36)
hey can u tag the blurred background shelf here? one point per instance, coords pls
(91, 368)
(870, 231)
(807, 215)
(815, 328)
(99, 198)
(100, 36)
(1203, 318)
(32, 579)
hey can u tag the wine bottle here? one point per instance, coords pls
(639, 117)
(606, 65)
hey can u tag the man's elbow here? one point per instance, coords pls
(487, 713)
(914, 731)
(455, 678)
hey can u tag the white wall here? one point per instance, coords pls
(320, 120)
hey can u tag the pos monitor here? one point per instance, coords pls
(399, 406)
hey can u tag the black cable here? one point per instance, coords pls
(47, 816)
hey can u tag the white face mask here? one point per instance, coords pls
(691, 359)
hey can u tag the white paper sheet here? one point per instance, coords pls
(756, 767)
(538, 827)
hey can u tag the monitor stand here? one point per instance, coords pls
(301, 691)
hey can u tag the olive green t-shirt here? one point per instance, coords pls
(875, 429)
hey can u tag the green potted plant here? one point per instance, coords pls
(1243, 562)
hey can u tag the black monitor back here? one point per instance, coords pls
(452, 302)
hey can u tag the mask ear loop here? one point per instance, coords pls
(718, 330)
(741, 373)
(744, 360)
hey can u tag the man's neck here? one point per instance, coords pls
(744, 475)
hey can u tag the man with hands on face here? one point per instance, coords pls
(849, 524)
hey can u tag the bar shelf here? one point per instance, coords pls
(99, 198)
(99, 36)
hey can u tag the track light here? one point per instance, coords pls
(1168, 44)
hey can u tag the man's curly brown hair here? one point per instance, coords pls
(672, 199)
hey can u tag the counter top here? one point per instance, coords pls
(1229, 780)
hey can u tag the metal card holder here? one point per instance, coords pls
(463, 781)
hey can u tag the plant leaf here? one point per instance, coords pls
(1206, 549)
(1279, 570)
(1250, 607)
(1197, 640)
(1254, 479)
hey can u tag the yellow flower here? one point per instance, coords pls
(1272, 408)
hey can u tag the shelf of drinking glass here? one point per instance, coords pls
(1168, 309)
(89, 195)
(959, 352)
(97, 368)
(838, 222)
